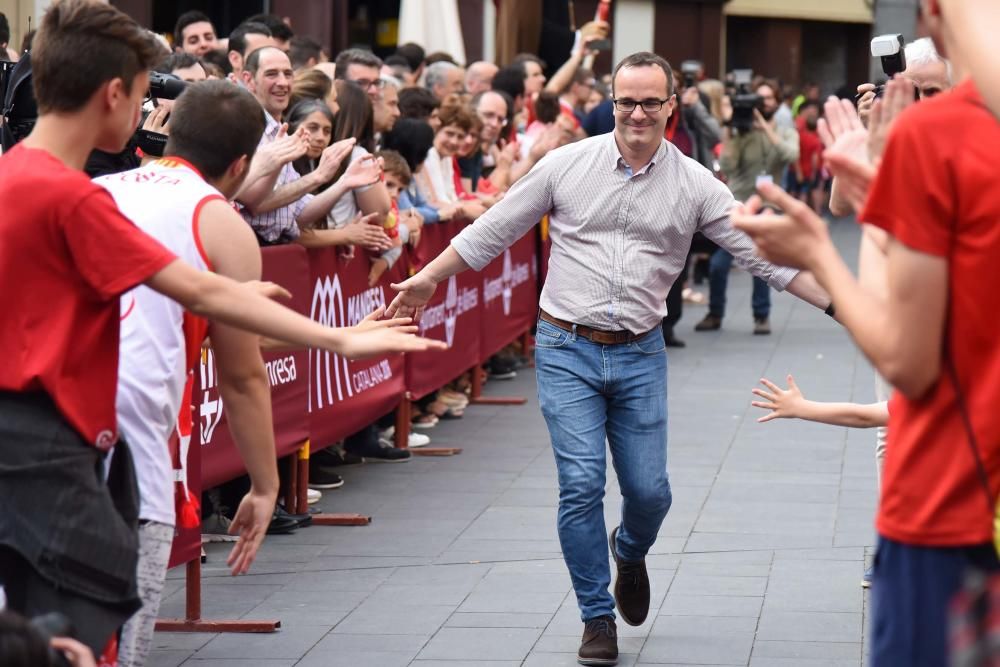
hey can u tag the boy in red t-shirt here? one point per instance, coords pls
(809, 168)
(935, 338)
(67, 535)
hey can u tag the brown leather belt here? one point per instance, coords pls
(593, 335)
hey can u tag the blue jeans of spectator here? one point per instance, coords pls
(912, 587)
(590, 393)
(718, 280)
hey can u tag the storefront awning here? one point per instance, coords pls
(847, 11)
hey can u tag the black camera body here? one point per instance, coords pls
(744, 101)
(165, 86)
(889, 49)
(690, 69)
(52, 625)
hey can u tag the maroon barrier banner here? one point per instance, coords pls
(510, 295)
(453, 315)
(217, 460)
(345, 396)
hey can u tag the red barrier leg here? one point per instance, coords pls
(331, 519)
(403, 416)
(291, 488)
(302, 490)
(193, 622)
(477, 390)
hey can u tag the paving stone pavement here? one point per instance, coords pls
(758, 563)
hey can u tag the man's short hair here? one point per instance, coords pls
(413, 53)
(355, 57)
(238, 37)
(302, 49)
(186, 19)
(279, 29)
(180, 60)
(922, 52)
(440, 57)
(437, 73)
(478, 97)
(213, 124)
(521, 59)
(394, 163)
(390, 82)
(510, 79)
(252, 63)
(417, 103)
(81, 45)
(584, 76)
(218, 60)
(645, 59)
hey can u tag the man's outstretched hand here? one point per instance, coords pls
(414, 293)
(797, 237)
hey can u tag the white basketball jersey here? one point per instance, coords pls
(160, 341)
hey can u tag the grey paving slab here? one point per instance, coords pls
(757, 564)
(480, 644)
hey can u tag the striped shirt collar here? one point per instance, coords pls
(617, 162)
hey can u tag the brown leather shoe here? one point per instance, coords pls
(631, 586)
(600, 642)
(709, 323)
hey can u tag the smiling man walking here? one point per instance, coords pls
(623, 208)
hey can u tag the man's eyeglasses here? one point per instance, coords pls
(366, 84)
(649, 106)
(490, 117)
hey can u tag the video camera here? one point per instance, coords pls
(690, 69)
(19, 110)
(744, 100)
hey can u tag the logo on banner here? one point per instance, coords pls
(513, 275)
(457, 301)
(331, 373)
(210, 410)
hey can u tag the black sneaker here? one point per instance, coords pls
(322, 477)
(383, 453)
(599, 645)
(502, 368)
(335, 456)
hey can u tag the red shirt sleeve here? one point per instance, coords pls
(912, 196)
(111, 253)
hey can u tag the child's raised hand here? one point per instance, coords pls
(783, 403)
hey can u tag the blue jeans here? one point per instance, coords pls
(590, 393)
(911, 590)
(718, 279)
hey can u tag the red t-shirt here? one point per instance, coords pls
(809, 146)
(66, 254)
(936, 193)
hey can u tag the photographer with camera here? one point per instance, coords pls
(754, 150)
(43, 641)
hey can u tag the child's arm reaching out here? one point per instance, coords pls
(791, 404)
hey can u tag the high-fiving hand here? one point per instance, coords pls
(414, 293)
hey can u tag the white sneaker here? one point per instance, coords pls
(313, 496)
(415, 440)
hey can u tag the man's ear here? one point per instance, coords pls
(113, 92)
(239, 168)
(248, 81)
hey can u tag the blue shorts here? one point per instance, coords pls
(911, 589)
